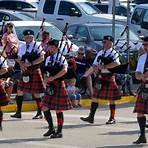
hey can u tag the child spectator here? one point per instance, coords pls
(73, 92)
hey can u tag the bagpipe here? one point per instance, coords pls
(33, 55)
(123, 67)
(56, 65)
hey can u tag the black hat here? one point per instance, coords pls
(28, 32)
(53, 43)
(109, 38)
(145, 39)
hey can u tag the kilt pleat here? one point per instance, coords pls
(141, 105)
(36, 85)
(59, 100)
(4, 100)
(109, 89)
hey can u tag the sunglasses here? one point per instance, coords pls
(79, 53)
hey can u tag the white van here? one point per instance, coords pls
(139, 20)
(61, 12)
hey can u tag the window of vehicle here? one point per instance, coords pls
(88, 8)
(120, 10)
(55, 32)
(140, 1)
(71, 30)
(137, 16)
(102, 8)
(145, 17)
(98, 32)
(49, 6)
(81, 32)
(67, 8)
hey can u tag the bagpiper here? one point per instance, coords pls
(141, 106)
(105, 87)
(56, 95)
(30, 56)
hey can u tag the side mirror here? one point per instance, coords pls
(82, 39)
(73, 12)
(144, 25)
(6, 18)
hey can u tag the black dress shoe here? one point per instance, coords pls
(140, 140)
(37, 116)
(111, 121)
(49, 132)
(16, 115)
(87, 119)
(56, 135)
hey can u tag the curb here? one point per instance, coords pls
(31, 106)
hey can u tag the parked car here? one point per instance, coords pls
(139, 20)
(61, 12)
(90, 35)
(19, 5)
(11, 15)
(20, 26)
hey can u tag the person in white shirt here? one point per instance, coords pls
(141, 106)
(106, 87)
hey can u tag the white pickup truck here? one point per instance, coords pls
(61, 12)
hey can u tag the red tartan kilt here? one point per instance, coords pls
(141, 105)
(108, 90)
(4, 100)
(35, 86)
(59, 100)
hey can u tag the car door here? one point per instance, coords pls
(65, 14)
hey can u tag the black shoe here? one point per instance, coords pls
(49, 132)
(111, 121)
(146, 125)
(37, 116)
(56, 135)
(87, 119)
(16, 115)
(140, 140)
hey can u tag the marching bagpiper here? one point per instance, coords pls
(56, 95)
(30, 55)
(4, 100)
(106, 87)
(141, 107)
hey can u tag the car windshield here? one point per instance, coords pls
(55, 32)
(98, 32)
(88, 8)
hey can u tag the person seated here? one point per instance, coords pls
(73, 93)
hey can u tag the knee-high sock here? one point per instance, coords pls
(93, 109)
(112, 111)
(60, 121)
(48, 118)
(1, 117)
(142, 123)
(38, 103)
(19, 102)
